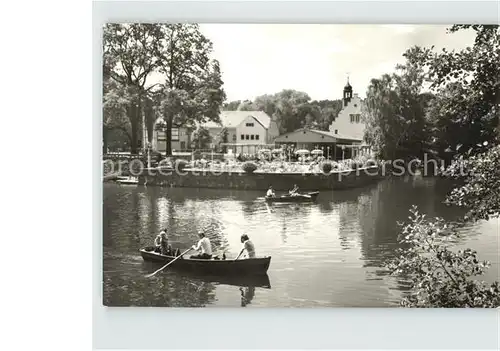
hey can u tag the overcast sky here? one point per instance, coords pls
(258, 58)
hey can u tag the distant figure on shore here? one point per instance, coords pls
(295, 190)
(248, 246)
(270, 192)
(204, 246)
(161, 243)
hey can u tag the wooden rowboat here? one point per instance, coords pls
(127, 180)
(309, 197)
(248, 266)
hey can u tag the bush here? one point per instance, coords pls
(327, 167)
(370, 163)
(356, 165)
(439, 276)
(180, 165)
(249, 167)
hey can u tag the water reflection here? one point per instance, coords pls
(328, 253)
(247, 295)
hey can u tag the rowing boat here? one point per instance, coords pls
(127, 181)
(309, 197)
(248, 266)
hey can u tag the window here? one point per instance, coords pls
(247, 137)
(257, 137)
(355, 105)
(357, 118)
(161, 136)
(249, 124)
(252, 137)
(234, 137)
(242, 137)
(336, 131)
(352, 118)
(175, 134)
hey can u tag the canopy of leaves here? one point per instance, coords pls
(480, 193)
(192, 91)
(467, 85)
(180, 54)
(394, 113)
(202, 138)
(439, 276)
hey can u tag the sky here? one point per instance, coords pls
(259, 59)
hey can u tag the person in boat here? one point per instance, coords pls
(270, 192)
(248, 246)
(161, 243)
(294, 191)
(204, 247)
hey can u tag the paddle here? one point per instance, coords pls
(165, 266)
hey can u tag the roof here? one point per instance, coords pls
(231, 119)
(334, 137)
(338, 136)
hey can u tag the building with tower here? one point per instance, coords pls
(344, 138)
(348, 122)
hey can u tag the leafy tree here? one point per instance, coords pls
(440, 276)
(130, 55)
(328, 112)
(202, 138)
(480, 193)
(231, 106)
(394, 112)
(193, 86)
(246, 105)
(467, 84)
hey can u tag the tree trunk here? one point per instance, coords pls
(150, 119)
(134, 123)
(168, 136)
(104, 140)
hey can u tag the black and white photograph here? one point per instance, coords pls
(300, 165)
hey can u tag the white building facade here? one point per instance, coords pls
(348, 123)
(247, 131)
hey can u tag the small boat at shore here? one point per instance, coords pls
(127, 180)
(243, 267)
(308, 197)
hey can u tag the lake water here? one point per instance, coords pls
(325, 254)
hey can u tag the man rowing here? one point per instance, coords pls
(270, 192)
(204, 247)
(161, 243)
(294, 191)
(248, 246)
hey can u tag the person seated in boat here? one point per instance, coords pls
(161, 243)
(248, 246)
(294, 191)
(204, 247)
(270, 192)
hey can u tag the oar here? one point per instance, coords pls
(165, 266)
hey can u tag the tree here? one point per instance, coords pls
(467, 83)
(439, 276)
(328, 112)
(231, 106)
(115, 101)
(246, 105)
(202, 138)
(192, 91)
(480, 193)
(394, 112)
(130, 55)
